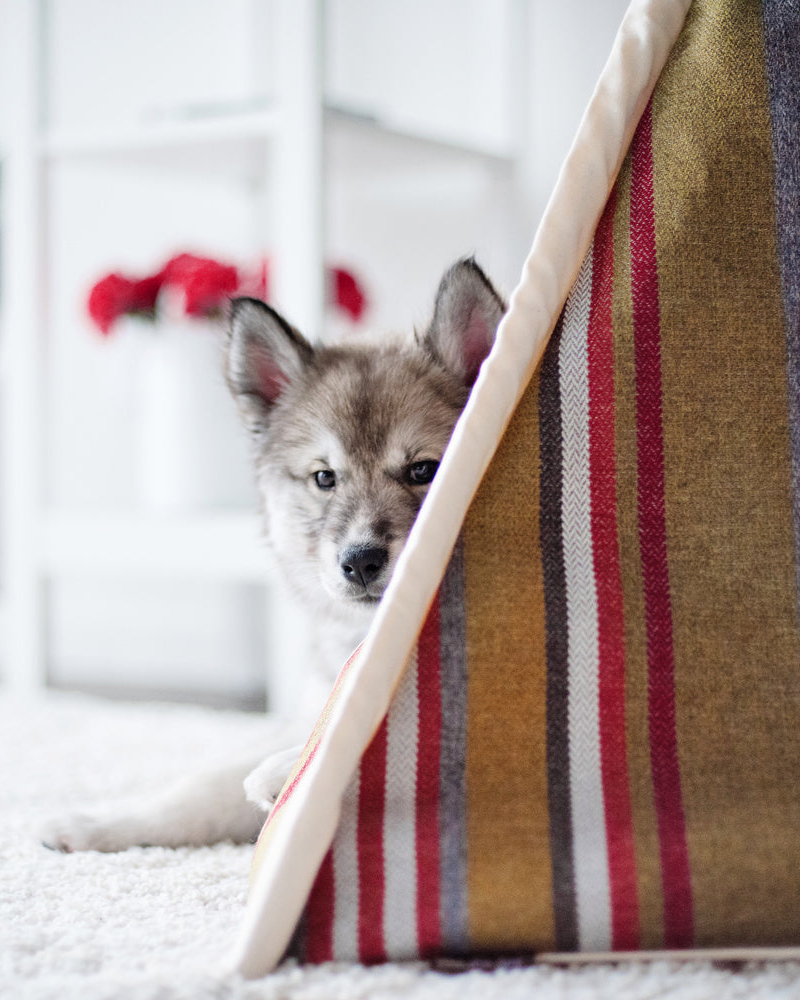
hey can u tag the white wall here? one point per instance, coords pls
(569, 43)
(398, 214)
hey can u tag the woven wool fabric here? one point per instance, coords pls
(595, 744)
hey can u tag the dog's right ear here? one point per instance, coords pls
(264, 354)
(466, 315)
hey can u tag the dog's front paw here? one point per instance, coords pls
(79, 832)
(94, 831)
(263, 786)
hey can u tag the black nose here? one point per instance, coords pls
(362, 563)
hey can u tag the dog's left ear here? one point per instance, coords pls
(465, 320)
(264, 355)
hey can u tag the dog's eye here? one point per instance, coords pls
(325, 479)
(421, 473)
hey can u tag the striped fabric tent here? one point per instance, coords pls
(576, 722)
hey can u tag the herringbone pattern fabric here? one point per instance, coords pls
(597, 742)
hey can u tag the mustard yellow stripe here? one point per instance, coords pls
(728, 498)
(508, 859)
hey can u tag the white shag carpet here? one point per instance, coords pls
(156, 924)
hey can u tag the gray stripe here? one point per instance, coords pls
(782, 44)
(452, 816)
(551, 535)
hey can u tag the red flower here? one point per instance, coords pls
(115, 296)
(206, 284)
(347, 293)
(144, 294)
(254, 282)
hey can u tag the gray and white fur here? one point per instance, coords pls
(346, 440)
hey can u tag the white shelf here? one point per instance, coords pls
(219, 546)
(215, 141)
(283, 152)
(162, 134)
(391, 137)
(218, 144)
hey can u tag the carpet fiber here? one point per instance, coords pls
(156, 923)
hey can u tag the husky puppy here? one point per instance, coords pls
(346, 441)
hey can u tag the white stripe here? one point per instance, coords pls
(399, 830)
(345, 877)
(590, 855)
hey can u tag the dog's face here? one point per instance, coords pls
(348, 438)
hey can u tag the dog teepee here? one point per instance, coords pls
(575, 724)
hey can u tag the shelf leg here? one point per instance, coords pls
(299, 212)
(22, 398)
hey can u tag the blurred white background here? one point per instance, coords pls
(385, 137)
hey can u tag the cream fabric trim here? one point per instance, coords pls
(309, 818)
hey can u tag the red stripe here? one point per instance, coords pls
(369, 837)
(319, 915)
(611, 625)
(429, 929)
(675, 873)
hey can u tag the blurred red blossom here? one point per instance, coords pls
(115, 296)
(348, 294)
(203, 287)
(206, 284)
(254, 281)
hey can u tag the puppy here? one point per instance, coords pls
(346, 440)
